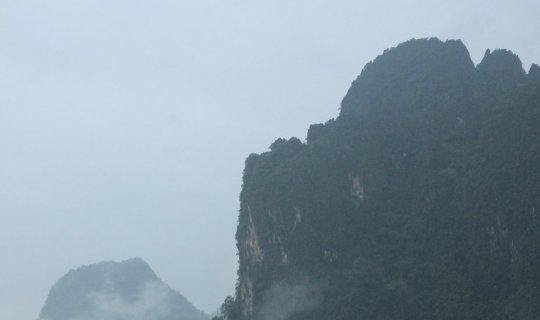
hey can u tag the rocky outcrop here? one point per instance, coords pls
(534, 73)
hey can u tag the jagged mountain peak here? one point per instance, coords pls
(500, 69)
(419, 66)
(534, 72)
(501, 59)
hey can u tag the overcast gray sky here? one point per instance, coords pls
(124, 124)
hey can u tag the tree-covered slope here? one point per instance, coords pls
(419, 201)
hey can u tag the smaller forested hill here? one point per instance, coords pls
(127, 290)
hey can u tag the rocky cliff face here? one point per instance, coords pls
(127, 290)
(418, 202)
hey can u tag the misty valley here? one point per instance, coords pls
(420, 200)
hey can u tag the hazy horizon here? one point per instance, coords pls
(124, 125)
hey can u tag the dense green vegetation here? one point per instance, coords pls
(421, 200)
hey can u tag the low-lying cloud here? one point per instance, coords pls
(284, 299)
(151, 303)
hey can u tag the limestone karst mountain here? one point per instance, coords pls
(419, 201)
(127, 290)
